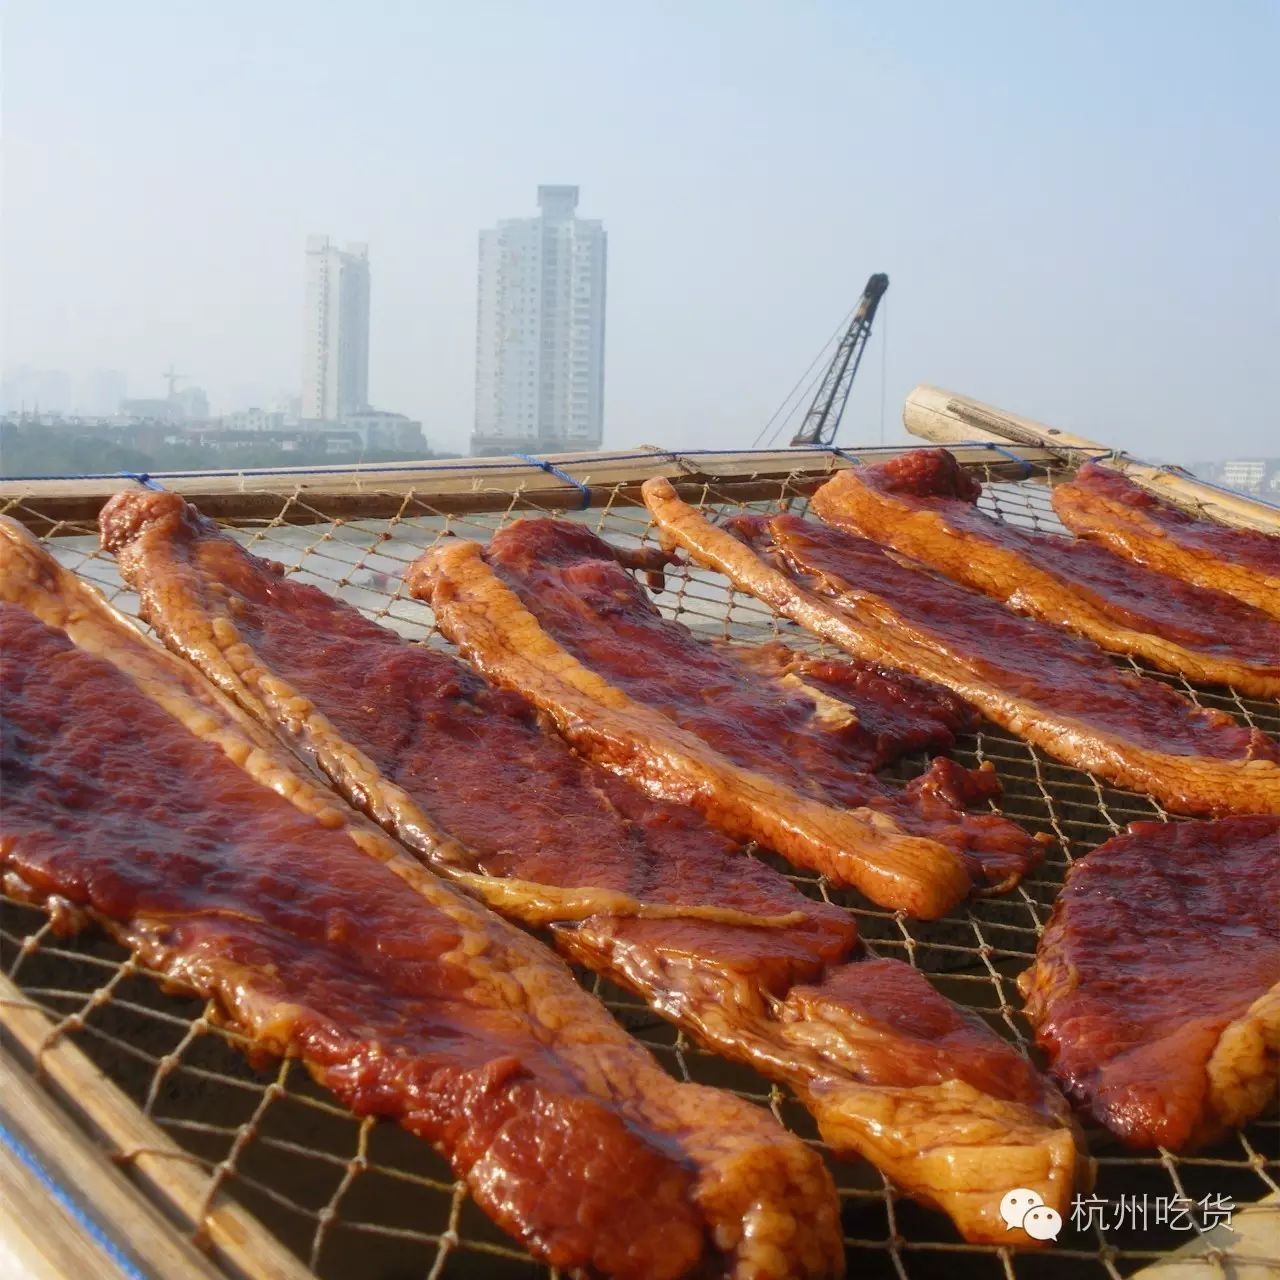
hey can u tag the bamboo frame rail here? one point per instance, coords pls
(459, 485)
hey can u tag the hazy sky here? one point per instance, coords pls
(1078, 205)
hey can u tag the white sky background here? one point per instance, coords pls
(1077, 205)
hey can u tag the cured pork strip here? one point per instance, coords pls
(751, 709)
(829, 720)
(463, 774)
(862, 847)
(1156, 987)
(1105, 506)
(1053, 689)
(137, 795)
(924, 505)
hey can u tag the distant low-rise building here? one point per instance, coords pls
(380, 429)
(159, 407)
(305, 437)
(1246, 475)
(255, 419)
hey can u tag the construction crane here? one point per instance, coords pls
(173, 379)
(823, 418)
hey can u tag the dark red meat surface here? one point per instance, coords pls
(1021, 655)
(112, 805)
(1162, 937)
(1128, 594)
(570, 580)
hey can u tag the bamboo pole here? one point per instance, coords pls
(946, 418)
(51, 508)
(238, 1242)
(44, 1234)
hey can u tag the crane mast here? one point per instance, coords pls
(822, 421)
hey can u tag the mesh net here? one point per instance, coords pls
(353, 1197)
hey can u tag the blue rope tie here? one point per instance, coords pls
(847, 456)
(42, 1175)
(553, 470)
(142, 478)
(1027, 468)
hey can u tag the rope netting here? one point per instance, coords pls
(352, 1197)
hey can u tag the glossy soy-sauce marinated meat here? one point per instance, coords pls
(1103, 505)
(822, 722)
(1156, 987)
(760, 711)
(135, 794)
(924, 504)
(1056, 690)
(637, 889)
(916, 849)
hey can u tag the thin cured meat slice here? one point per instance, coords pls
(789, 730)
(822, 722)
(1156, 987)
(636, 889)
(1056, 690)
(136, 795)
(924, 504)
(1107, 507)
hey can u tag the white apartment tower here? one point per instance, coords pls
(540, 331)
(335, 359)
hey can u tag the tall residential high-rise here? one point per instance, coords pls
(335, 359)
(540, 331)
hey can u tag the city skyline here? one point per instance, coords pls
(540, 330)
(1101, 260)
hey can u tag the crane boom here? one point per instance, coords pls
(823, 418)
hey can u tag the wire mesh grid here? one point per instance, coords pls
(353, 1197)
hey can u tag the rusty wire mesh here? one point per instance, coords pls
(351, 1197)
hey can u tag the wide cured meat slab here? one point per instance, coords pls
(1103, 505)
(637, 889)
(1056, 690)
(139, 799)
(924, 504)
(1156, 988)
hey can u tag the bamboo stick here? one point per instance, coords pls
(236, 1239)
(947, 418)
(51, 508)
(47, 1237)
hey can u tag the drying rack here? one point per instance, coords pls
(270, 1179)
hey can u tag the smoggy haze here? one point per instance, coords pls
(1077, 205)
